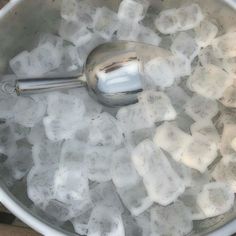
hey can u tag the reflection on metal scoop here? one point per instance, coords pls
(113, 74)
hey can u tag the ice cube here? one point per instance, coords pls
(40, 185)
(144, 221)
(135, 198)
(178, 97)
(122, 167)
(171, 220)
(206, 130)
(105, 130)
(91, 106)
(105, 194)
(233, 144)
(57, 210)
(162, 183)
(229, 64)
(229, 133)
(104, 221)
(37, 134)
(133, 118)
(157, 106)
(63, 105)
(201, 108)
(45, 58)
(71, 182)
(185, 45)
(210, 81)
(167, 22)
(69, 10)
(147, 35)
(189, 199)
(215, 199)
(206, 56)
(224, 46)
(205, 33)
(137, 136)
(56, 41)
(80, 223)
(159, 72)
(126, 11)
(189, 16)
(71, 60)
(183, 122)
(98, 162)
(229, 97)
(128, 31)
(174, 20)
(19, 131)
(20, 163)
(131, 226)
(171, 139)
(106, 22)
(199, 154)
(20, 64)
(28, 111)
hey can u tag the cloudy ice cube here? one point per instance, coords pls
(199, 154)
(178, 97)
(57, 210)
(185, 45)
(28, 111)
(233, 144)
(105, 194)
(205, 33)
(135, 137)
(135, 198)
(157, 106)
(229, 64)
(171, 220)
(80, 223)
(91, 106)
(162, 183)
(159, 72)
(75, 33)
(105, 130)
(63, 105)
(167, 22)
(206, 56)
(189, 199)
(71, 60)
(122, 167)
(56, 41)
(210, 81)
(171, 139)
(58, 129)
(126, 11)
(105, 221)
(133, 118)
(229, 133)
(224, 46)
(215, 199)
(45, 58)
(147, 35)
(189, 16)
(106, 22)
(229, 97)
(46, 153)
(98, 162)
(40, 185)
(206, 130)
(6, 105)
(71, 182)
(69, 10)
(200, 108)
(128, 31)
(198, 180)
(19, 131)
(131, 225)
(21, 64)
(20, 163)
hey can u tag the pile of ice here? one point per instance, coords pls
(148, 168)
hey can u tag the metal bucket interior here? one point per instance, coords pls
(20, 27)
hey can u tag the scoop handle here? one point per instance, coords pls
(43, 85)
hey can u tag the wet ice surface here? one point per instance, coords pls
(143, 169)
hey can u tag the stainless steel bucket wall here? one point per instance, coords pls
(20, 27)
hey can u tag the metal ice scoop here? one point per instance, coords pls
(113, 74)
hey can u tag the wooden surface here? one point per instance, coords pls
(6, 230)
